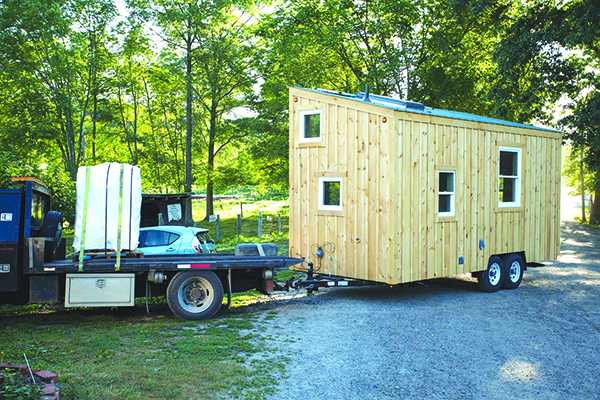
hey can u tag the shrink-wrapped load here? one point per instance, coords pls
(109, 201)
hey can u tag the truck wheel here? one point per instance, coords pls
(513, 271)
(490, 280)
(195, 295)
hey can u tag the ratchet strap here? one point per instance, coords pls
(120, 220)
(84, 221)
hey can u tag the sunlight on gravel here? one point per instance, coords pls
(520, 371)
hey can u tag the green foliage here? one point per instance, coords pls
(16, 386)
(439, 53)
(572, 171)
(543, 56)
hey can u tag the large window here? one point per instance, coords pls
(330, 194)
(509, 184)
(446, 193)
(310, 126)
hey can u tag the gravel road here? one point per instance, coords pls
(444, 339)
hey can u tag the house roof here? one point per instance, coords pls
(410, 106)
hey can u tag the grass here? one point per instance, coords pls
(127, 354)
(578, 219)
(229, 209)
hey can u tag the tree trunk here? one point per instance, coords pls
(211, 164)
(188, 117)
(595, 207)
(582, 189)
(189, 220)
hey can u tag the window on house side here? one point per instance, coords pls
(310, 126)
(330, 194)
(509, 184)
(446, 193)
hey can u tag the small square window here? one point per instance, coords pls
(330, 194)
(310, 126)
(509, 177)
(446, 193)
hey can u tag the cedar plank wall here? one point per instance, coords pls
(357, 146)
(389, 194)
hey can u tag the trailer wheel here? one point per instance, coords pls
(195, 295)
(490, 280)
(513, 271)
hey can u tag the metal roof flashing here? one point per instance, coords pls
(414, 107)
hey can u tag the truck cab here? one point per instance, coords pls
(25, 214)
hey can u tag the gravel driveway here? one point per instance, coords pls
(444, 339)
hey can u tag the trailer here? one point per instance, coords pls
(33, 267)
(391, 191)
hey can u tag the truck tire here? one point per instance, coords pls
(195, 295)
(52, 228)
(513, 271)
(491, 279)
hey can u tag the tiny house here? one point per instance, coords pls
(391, 191)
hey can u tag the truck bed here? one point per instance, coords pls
(208, 262)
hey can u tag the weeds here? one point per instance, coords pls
(13, 385)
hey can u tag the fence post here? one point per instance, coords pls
(241, 210)
(218, 227)
(259, 224)
(239, 225)
(279, 222)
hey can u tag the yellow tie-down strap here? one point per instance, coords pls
(84, 221)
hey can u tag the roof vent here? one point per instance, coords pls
(366, 95)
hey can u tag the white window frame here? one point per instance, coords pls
(302, 114)
(322, 205)
(452, 194)
(517, 202)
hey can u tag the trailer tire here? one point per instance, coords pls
(52, 228)
(491, 279)
(195, 295)
(513, 271)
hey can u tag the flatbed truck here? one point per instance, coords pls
(33, 267)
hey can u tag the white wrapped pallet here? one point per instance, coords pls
(109, 201)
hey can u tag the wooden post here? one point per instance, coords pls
(241, 210)
(279, 222)
(239, 225)
(259, 224)
(218, 227)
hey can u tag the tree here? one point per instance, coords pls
(50, 49)
(551, 52)
(577, 175)
(436, 52)
(225, 81)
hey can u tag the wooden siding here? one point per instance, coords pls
(389, 230)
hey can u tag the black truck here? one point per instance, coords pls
(33, 267)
